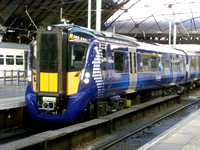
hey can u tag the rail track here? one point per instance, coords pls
(113, 144)
(33, 127)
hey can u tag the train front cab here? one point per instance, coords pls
(56, 79)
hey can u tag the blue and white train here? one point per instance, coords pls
(79, 72)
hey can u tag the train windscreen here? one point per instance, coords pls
(77, 56)
(49, 53)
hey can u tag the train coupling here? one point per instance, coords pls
(49, 103)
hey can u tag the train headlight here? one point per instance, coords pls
(87, 75)
(86, 81)
(87, 78)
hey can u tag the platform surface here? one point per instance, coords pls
(11, 95)
(183, 136)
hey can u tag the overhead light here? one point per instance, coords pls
(49, 28)
(159, 32)
(11, 31)
(64, 20)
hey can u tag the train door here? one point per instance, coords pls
(132, 69)
(174, 67)
(51, 69)
(106, 70)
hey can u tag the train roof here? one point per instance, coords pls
(160, 48)
(14, 46)
(118, 38)
(189, 49)
(101, 34)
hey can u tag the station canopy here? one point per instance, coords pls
(143, 18)
(20, 14)
(137, 18)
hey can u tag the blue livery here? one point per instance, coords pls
(81, 73)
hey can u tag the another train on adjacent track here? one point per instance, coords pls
(77, 72)
(13, 56)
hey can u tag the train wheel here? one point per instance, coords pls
(160, 92)
(185, 89)
(91, 111)
(138, 99)
(88, 113)
(166, 91)
(121, 104)
(181, 90)
(101, 109)
(174, 90)
(152, 94)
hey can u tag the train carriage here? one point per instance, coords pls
(13, 56)
(160, 67)
(79, 71)
(193, 66)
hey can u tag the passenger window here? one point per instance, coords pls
(182, 64)
(154, 63)
(118, 62)
(145, 63)
(167, 65)
(192, 63)
(9, 60)
(19, 60)
(1, 60)
(196, 63)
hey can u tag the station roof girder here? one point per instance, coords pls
(13, 12)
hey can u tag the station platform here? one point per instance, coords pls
(183, 136)
(12, 103)
(11, 95)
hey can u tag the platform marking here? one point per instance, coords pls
(169, 132)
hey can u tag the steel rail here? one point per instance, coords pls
(123, 138)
